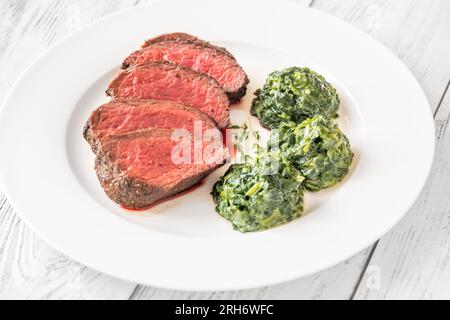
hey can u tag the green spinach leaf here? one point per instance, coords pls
(317, 148)
(259, 195)
(292, 95)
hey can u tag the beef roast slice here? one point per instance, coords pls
(138, 169)
(123, 116)
(207, 59)
(184, 37)
(165, 81)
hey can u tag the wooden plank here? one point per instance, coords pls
(416, 31)
(28, 28)
(30, 268)
(419, 41)
(412, 261)
(34, 25)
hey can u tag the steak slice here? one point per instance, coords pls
(165, 81)
(198, 55)
(184, 37)
(137, 169)
(122, 116)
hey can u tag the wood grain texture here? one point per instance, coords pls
(418, 32)
(413, 260)
(29, 268)
(415, 31)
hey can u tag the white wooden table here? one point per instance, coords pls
(411, 261)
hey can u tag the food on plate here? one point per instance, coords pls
(165, 81)
(317, 148)
(293, 95)
(137, 169)
(124, 116)
(160, 134)
(306, 150)
(189, 51)
(259, 195)
(183, 37)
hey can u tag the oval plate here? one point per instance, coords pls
(47, 168)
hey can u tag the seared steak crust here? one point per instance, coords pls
(199, 55)
(137, 192)
(186, 38)
(166, 81)
(176, 81)
(125, 116)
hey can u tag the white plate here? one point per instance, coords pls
(46, 166)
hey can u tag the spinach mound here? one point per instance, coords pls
(317, 148)
(306, 150)
(260, 195)
(292, 95)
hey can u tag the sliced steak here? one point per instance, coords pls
(184, 37)
(198, 55)
(122, 116)
(137, 169)
(165, 81)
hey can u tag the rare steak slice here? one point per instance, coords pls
(141, 168)
(198, 55)
(165, 81)
(124, 116)
(184, 37)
